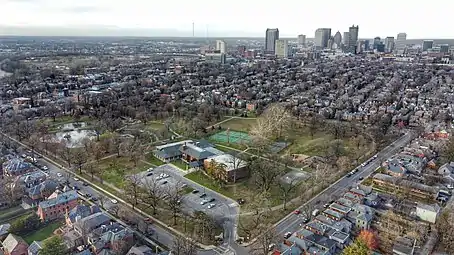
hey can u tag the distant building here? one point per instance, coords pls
(444, 48)
(322, 36)
(352, 38)
(14, 245)
(427, 44)
(17, 167)
(338, 39)
(215, 58)
(389, 44)
(377, 41)
(272, 34)
(345, 39)
(302, 40)
(221, 46)
(366, 45)
(281, 49)
(401, 41)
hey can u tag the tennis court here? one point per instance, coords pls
(231, 137)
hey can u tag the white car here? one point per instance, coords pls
(76, 179)
(45, 168)
(150, 169)
(211, 206)
(204, 201)
(114, 201)
(59, 175)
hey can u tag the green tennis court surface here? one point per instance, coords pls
(231, 137)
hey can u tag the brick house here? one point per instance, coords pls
(14, 245)
(57, 205)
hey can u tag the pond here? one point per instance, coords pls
(74, 133)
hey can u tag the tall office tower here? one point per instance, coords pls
(322, 36)
(366, 45)
(377, 41)
(281, 48)
(389, 44)
(401, 41)
(272, 34)
(352, 38)
(302, 40)
(338, 39)
(359, 46)
(221, 46)
(427, 44)
(345, 40)
(331, 43)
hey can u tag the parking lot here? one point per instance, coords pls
(200, 199)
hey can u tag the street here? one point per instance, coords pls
(291, 222)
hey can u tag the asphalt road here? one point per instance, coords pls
(291, 222)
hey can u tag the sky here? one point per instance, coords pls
(233, 18)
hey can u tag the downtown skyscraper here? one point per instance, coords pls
(352, 39)
(272, 34)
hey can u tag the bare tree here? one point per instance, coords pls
(65, 152)
(33, 142)
(91, 169)
(115, 210)
(264, 172)
(79, 158)
(206, 226)
(264, 243)
(174, 200)
(274, 122)
(10, 190)
(286, 188)
(152, 193)
(116, 144)
(184, 246)
(102, 200)
(133, 189)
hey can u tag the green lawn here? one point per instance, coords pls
(155, 125)
(153, 160)
(43, 233)
(180, 164)
(238, 124)
(114, 170)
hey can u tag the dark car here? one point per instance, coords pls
(84, 183)
(195, 191)
(76, 188)
(241, 201)
(150, 174)
(88, 195)
(361, 178)
(203, 195)
(211, 200)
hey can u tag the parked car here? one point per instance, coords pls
(150, 174)
(296, 212)
(203, 201)
(203, 195)
(241, 201)
(211, 200)
(84, 183)
(211, 206)
(287, 235)
(195, 191)
(114, 201)
(59, 174)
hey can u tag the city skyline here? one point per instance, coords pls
(138, 17)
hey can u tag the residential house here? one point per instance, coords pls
(417, 189)
(446, 169)
(394, 168)
(428, 213)
(14, 245)
(57, 205)
(226, 167)
(4, 230)
(86, 225)
(38, 193)
(17, 167)
(113, 237)
(403, 246)
(34, 248)
(361, 216)
(141, 250)
(72, 239)
(80, 212)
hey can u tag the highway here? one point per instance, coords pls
(291, 222)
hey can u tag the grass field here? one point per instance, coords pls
(238, 124)
(149, 157)
(180, 164)
(115, 169)
(155, 125)
(43, 233)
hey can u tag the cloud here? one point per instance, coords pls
(81, 9)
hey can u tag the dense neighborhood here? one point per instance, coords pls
(141, 146)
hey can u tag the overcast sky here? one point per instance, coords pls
(237, 17)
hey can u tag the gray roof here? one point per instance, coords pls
(195, 151)
(4, 229)
(406, 183)
(11, 241)
(432, 208)
(60, 199)
(34, 248)
(140, 250)
(16, 165)
(92, 222)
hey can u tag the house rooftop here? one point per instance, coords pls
(60, 199)
(229, 161)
